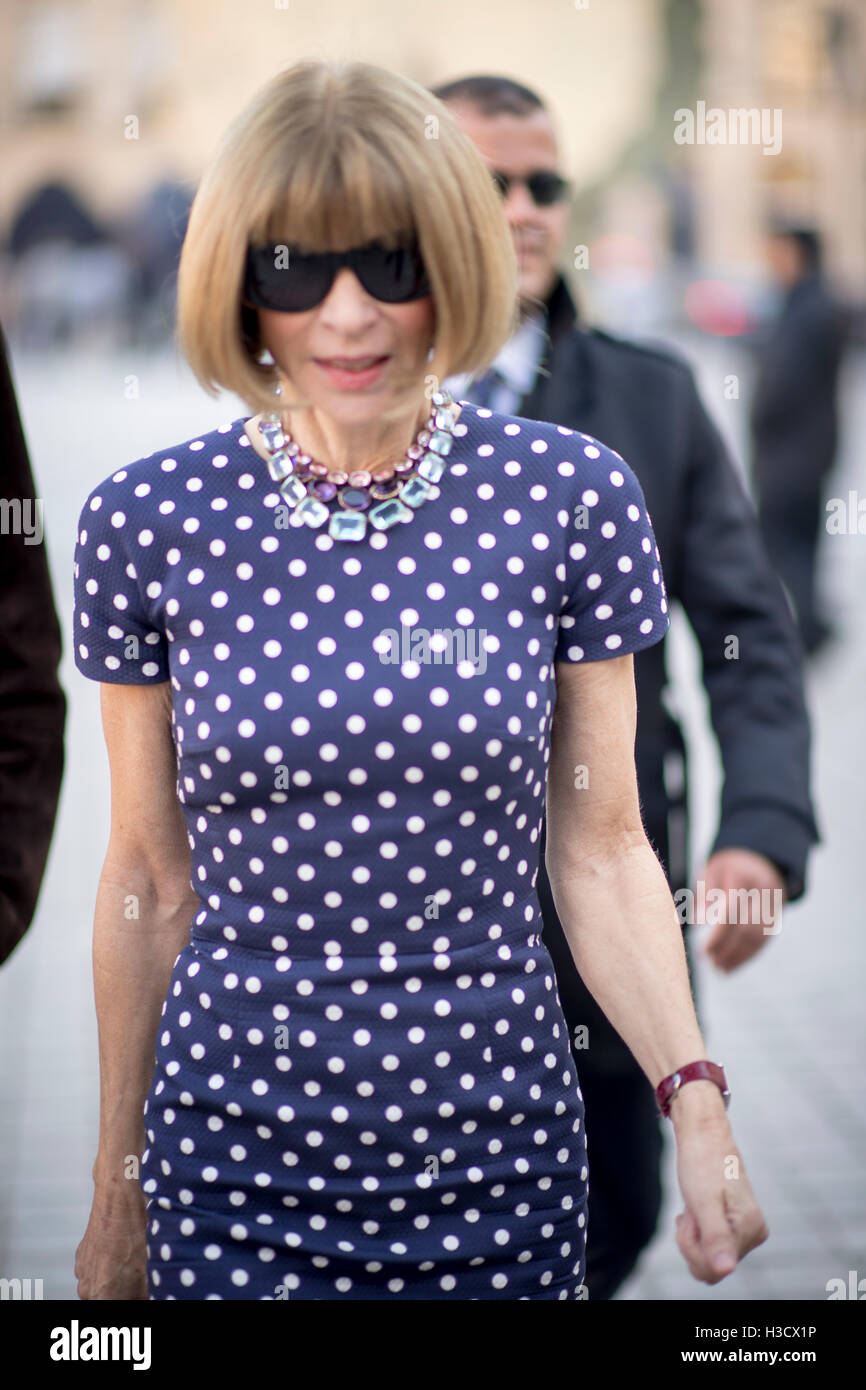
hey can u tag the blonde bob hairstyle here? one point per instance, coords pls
(333, 155)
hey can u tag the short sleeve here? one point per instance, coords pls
(114, 639)
(615, 600)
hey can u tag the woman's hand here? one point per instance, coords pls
(111, 1261)
(722, 1221)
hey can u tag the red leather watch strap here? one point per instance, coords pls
(695, 1071)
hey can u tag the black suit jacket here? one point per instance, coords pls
(644, 403)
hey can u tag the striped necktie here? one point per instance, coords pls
(481, 391)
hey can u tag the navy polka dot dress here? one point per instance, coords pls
(363, 1085)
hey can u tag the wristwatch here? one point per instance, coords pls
(695, 1071)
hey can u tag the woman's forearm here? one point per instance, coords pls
(621, 923)
(138, 933)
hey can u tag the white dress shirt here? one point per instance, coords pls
(517, 363)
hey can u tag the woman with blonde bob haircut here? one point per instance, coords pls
(352, 649)
(306, 166)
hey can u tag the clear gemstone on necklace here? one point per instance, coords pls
(293, 490)
(441, 442)
(360, 478)
(415, 491)
(279, 466)
(312, 511)
(431, 467)
(273, 434)
(389, 513)
(348, 526)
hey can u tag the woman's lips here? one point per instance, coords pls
(351, 378)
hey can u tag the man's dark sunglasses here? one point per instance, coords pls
(545, 185)
(279, 277)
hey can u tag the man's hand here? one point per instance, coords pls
(748, 921)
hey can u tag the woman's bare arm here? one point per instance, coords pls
(608, 886)
(144, 907)
(621, 924)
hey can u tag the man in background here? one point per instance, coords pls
(644, 404)
(795, 419)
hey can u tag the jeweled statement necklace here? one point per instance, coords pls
(388, 494)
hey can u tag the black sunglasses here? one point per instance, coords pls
(545, 185)
(290, 281)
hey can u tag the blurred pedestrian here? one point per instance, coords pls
(70, 277)
(152, 234)
(32, 703)
(644, 403)
(794, 419)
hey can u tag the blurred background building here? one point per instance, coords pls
(108, 113)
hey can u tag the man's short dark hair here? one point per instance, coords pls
(806, 239)
(493, 96)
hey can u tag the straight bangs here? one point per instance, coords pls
(343, 193)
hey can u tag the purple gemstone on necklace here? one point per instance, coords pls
(381, 491)
(324, 490)
(354, 498)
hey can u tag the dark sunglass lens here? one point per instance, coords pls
(394, 275)
(289, 281)
(546, 187)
